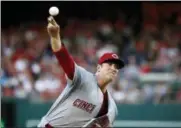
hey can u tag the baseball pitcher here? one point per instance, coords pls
(85, 101)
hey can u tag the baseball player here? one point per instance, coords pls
(85, 101)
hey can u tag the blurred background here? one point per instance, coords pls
(146, 35)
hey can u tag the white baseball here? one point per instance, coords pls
(53, 11)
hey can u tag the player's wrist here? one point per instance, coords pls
(55, 36)
(55, 39)
(56, 43)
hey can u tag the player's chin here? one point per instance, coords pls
(111, 78)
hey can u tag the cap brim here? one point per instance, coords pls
(119, 62)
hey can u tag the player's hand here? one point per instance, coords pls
(53, 28)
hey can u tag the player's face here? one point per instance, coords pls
(108, 71)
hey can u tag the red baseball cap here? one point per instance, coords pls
(107, 57)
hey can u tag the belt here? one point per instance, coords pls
(48, 126)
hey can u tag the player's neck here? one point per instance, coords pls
(101, 83)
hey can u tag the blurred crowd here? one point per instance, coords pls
(30, 70)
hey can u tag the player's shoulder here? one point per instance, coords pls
(86, 76)
(84, 71)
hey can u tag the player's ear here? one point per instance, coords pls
(98, 67)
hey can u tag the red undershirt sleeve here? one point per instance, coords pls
(66, 62)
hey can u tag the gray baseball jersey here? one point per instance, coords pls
(80, 101)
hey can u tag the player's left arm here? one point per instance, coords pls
(74, 73)
(64, 58)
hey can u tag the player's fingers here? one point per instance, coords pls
(50, 25)
(52, 20)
